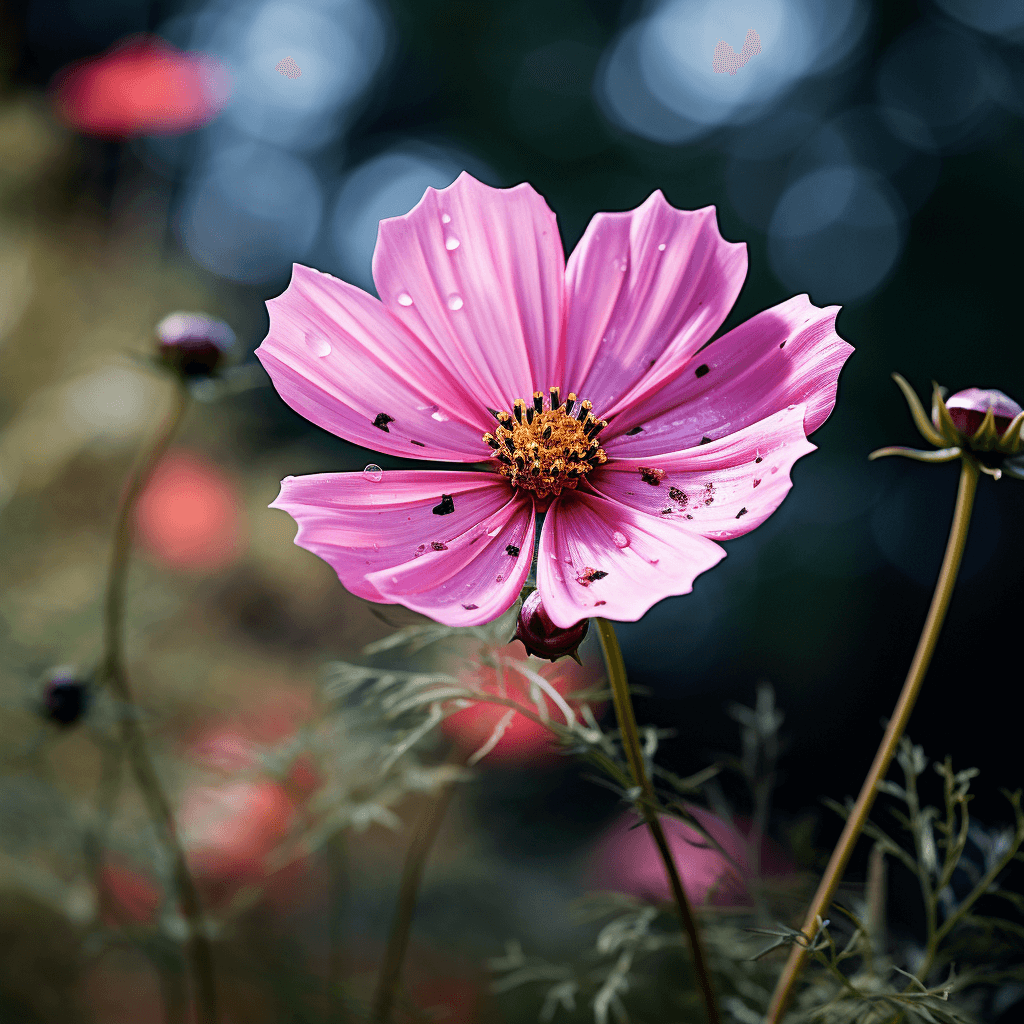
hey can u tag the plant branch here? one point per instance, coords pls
(897, 724)
(634, 756)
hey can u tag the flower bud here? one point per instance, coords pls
(65, 696)
(193, 344)
(967, 410)
(542, 638)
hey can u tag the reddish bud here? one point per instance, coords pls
(193, 344)
(541, 637)
(967, 409)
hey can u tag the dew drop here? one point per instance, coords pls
(661, 248)
(373, 473)
(376, 546)
(620, 539)
(451, 243)
(455, 302)
(405, 299)
(318, 346)
(445, 219)
(439, 416)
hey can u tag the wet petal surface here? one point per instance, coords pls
(787, 355)
(340, 359)
(359, 526)
(645, 289)
(477, 273)
(600, 557)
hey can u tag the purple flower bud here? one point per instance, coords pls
(192, 343)
(967, 409)
(541, 637)
(65, 696)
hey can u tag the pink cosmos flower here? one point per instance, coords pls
(584, 388)
(625, 859)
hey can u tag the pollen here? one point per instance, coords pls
(545, 445)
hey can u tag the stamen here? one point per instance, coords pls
(569, 403)
(555, 401)
(547, 432)
(585, 406)
(530, 413)
(517, 409)
(535, 469)
(491, 440)
(538, 401)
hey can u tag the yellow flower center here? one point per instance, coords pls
(545, 450)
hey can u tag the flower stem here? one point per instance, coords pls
(197, 948)
(634, 756)
(412, 872)
(897, 724)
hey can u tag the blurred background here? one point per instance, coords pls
(871, 155)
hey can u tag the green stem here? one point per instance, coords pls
(412, 872)
(634, 757)
(198, 950)
(897, 724)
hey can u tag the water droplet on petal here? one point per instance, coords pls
(373, 473)
(621, 540)
(318, 346)
(494, 532)
(445, 219)
(455, 302)
(439, 416)
(376, 546)
(661, 248)
(405, 299)
(451, 243)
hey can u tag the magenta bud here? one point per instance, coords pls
(193, 344)
(541, 637)
(967, 409)
(65, 696)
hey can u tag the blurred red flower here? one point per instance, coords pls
(625, 859)
(522, 739)
(140, 86)
(189, 516)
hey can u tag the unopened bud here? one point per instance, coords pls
(968, 408)
(194, 344)
(542, 638)
(65, 696)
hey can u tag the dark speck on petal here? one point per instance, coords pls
(446, 507)
(702, 369)
(382, 420)
(635, 430)
(742, 512)
(511, 549)
(470, 607)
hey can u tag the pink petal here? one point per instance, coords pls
(359, 527)
(646, 288)
(787, 355)
(721, 490)
(582, 534)
(477, 576)
(484, 269)
(340, 359)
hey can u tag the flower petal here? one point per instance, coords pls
(785, 355)
(340, 359)
(476, 576)
(721, 490)
(484, 271)
(599, 557)
(359, 526)
(645, 289)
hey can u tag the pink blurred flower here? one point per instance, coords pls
(626, 859)
(479, 314)
(141, 86)
(189, 514)
(522, 738)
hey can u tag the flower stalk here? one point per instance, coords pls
(647, 802)
(799, 953)
(113, 671)
(408, 890)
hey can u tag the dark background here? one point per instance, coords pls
(824, 601)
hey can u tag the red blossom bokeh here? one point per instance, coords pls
(189, 516)
(140, 86)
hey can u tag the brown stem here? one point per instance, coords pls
(897, 724)
(198, 950)
(634, 755)
(412, 872)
